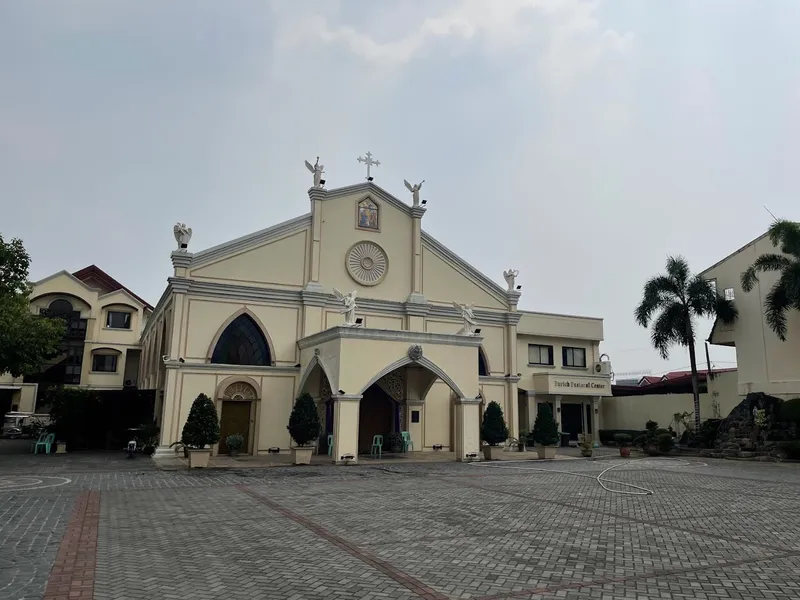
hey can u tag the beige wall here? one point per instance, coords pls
(632, 412)
(765, 364)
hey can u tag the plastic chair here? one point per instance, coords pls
(408, 443)
(330, 444)
(377, 446)
(39, 440)
(46, 443)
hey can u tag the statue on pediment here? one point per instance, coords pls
(468, 318)
(414, 189)
(511, 278)
(349, 306)
(182, 235)
(317, 169)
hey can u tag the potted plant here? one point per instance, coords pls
(545, 432)
(623, 440)
(201, 431)
(304, 426)
(493, 431)
(523, 438)
(394, 442)
(586, 445)
(234, 442)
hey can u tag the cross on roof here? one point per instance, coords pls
(370, 163)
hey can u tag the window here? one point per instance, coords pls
(713, 284)
(540, 355)
(118, 320)
(104, 363)
(483, 371)
(728, 293)
(573, 357)
(242, 343)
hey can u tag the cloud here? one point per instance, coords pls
(566, 35)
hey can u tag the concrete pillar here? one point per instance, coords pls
(467, 416)
(596, 420)
(533, 408)
(557, 411)
(345, 428)
(584, 422)
(316, 195)
(416, 296)
(414, 429)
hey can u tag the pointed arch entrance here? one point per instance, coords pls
(237, 404)
(242, 342)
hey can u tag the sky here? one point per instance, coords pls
(581, 142)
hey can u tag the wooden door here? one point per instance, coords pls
(235, 419)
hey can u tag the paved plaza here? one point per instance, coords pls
(84, 526)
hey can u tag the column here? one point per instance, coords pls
(584, 421)
(414, 429)
(467, 425)
(557, 411)
(316, 195)
(345, 428)
(416, 295)
(512, 399)
(596, 420)
(533, 408)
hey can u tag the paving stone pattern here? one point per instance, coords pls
(712, 530)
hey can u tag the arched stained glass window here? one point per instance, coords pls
(242, 343)
(483, 371)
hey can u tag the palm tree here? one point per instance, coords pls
(785, 294)
(677, 297)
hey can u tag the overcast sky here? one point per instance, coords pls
(579, 142)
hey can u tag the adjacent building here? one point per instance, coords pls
(385, 327)
(765, 363)
(100, 348)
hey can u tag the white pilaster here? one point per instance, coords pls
(345, 428)
(467, 444)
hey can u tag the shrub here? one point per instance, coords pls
(706, 435)
(304, 423)
(71, 413)
(608, 436)
(640, 440)
(790, 410)
(235, 441)
(651, 425)
(545, 430)
(623, 439)
(394, 442)
(202, 425)
(791, 449)
(493, 427)
(664, 442)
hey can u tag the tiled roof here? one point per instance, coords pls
(93, 272)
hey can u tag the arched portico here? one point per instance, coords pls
(359, 363)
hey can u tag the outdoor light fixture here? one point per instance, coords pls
(424, 202)
(342, 392)
(322, 182)
(370, 178)
(347, 457)
(519, 287)
(437, 446)
(558, 409)
(359, 320)
(274, 450)
(297, 366)
(477, 331)
(180, 360)
(472, 455)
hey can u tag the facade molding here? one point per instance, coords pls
(388, 335)
(316, 360)
(228, 381)
(272, 370)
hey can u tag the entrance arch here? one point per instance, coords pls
(237, 399)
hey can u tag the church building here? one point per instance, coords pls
(385, 327)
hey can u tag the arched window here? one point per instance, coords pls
(483, 370)
(60, 308)
(242, 343)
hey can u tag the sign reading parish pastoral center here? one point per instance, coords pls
(571, 385)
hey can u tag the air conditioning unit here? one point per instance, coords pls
(602, 368)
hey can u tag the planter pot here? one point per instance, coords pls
(198, 458)
(233, 452)
(624, 452)
(548, 452)
(521, 447)
(301, 455)
(651, 450)
(61, 447)
(492, 452)
(586, 452)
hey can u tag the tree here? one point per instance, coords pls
(304, 423)
(785, 294)
(545, 429)
(26, 339)
(671, 302)
(202, 425)
(493, 427)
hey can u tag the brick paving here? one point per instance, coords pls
(88, 526)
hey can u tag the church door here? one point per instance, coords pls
(235, 419)
(376, 416)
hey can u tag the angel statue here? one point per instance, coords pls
(468, 317)
(511, 278)
(348, 306)
(182, 235)
(317, 169)
(414, 189)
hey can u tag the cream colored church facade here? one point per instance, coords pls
(256, 321)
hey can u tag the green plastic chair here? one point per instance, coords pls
(330, 444)
(46, 443)
(408, 443)
(377, 446)
(39, 440)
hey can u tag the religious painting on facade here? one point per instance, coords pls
(367, 214)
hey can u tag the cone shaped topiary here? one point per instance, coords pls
(545, 430)
(493, 428)
(202, 425)
(304, 423)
